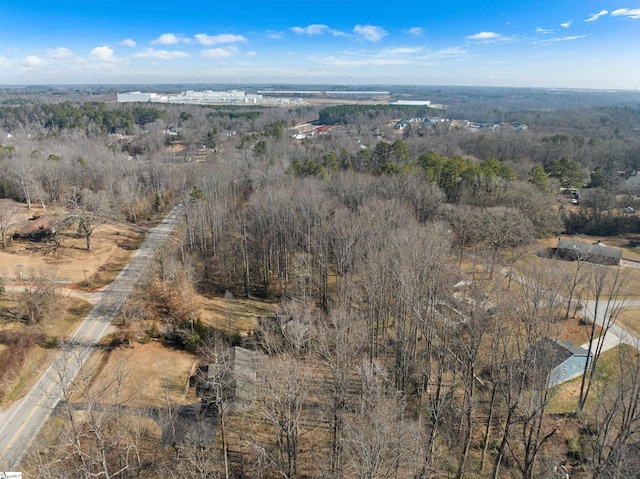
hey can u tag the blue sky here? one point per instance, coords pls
(553, 43)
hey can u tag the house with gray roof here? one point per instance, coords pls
(571, 361)
(558, 361)
(572, 250)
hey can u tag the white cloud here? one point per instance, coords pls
(33, 61)
(102, 54)
(160, 54)
(560, 39)
(544, 31)
(633, 13)
(251, 54)
(170, 39)
(362, 61)
(595, 16)
(371, 33)
(128, 42)
(484, 36)
(318, 29)
(275, 35)
(566, 24)
(59, 53)
(402, 50)
(416, 31)
(205, 39)
(395, 56)
(219, 53)
(314, 29)
(450, 52)
(490, 37)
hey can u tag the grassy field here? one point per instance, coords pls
(69, 262)
(563, 272)
(152, 375)
(25, 349)
(233, 315)
(629, 320)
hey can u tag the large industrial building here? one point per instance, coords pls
(192, 97)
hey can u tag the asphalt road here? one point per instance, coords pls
(21, 423)
(606, 308)
(616, 333)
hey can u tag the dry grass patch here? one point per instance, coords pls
(576, 331)
(233, 315)
(113, 246)
(26, 349)
(629, 320)
(147, 375)
(565, 397)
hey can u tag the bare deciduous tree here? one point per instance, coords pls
(98, 433)
(287, 383)
(88, 210)
(37, 297)
(7, 219)
(339, 342)
(606, 286)
(379, 437)
(616, 420)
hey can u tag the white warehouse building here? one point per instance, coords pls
(136, 96)
(191, 97)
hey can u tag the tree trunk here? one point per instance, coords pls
(487, 434)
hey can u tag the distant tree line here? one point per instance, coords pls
(82, 116)
(349, 114)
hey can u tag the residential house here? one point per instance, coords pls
(566, 360)
(592, 252)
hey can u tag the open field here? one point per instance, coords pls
(112, 246)
(233, 315)
(630, 244)
(151, 375)
(629, 320)
(565, 396)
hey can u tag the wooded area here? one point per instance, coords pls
(411, 310)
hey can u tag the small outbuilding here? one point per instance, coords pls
(231, 381)
(597, 252)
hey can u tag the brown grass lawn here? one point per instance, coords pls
(629, 319)
(146, 374)
(112, 247)
(237, 315)
(565, 399)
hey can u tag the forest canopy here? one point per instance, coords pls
(345, 114)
